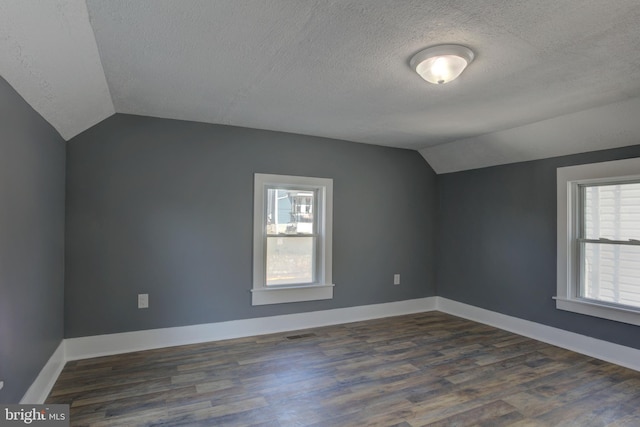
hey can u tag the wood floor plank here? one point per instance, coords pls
(426, 369)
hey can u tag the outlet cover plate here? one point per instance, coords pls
(143, 300)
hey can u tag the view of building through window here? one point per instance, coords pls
(291, 236)
(610, 243)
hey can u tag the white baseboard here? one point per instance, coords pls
(103, 345)
(603, 350)
(39, 390)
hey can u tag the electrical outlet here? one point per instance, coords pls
(143, 300)
(396, 279)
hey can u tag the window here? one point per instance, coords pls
(291, 239)
(599, 240)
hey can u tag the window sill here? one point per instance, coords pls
(284, 294)
(604, 311)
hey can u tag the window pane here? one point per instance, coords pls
(612, 273)
(612, 211)
(290, 260)
(290, 211)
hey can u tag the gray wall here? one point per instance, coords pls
(165, 207)
(497, 243)
(32, 161)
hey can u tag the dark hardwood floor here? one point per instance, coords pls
(416, 370)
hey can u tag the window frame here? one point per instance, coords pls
(322, 286)
(570, 180)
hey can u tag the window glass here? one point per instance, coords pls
(612, 211)
(290, 211)
(290, 260)
(612, 273)
(291, 242)
(611, 264)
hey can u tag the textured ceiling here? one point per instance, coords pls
(550, 77)
(49, 55)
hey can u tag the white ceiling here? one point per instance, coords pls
(550, 77)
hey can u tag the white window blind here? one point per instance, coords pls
(610, 243)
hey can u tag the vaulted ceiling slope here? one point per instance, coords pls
(550, 77)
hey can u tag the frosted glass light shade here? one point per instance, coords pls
(441, 64)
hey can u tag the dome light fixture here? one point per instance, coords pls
(441, 64)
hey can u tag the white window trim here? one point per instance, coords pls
(568, 180)
(323, 288)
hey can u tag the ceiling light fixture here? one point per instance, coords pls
(441, 64)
